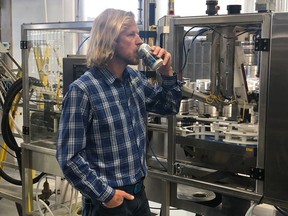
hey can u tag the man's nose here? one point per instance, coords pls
(139, 40)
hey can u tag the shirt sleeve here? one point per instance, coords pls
(165, 98)
(71, 146)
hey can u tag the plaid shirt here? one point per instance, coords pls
(102, 131)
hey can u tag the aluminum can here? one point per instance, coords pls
(150, 60)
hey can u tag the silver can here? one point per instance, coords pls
(150, 60)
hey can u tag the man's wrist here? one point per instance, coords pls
(169, 72)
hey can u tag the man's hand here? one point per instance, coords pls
(166, 68)
(118, 199)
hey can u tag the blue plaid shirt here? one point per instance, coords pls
(102, 131)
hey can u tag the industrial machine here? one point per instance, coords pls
(228, 142)
(225, 150)
(46, 49)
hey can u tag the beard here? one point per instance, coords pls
(128, 59)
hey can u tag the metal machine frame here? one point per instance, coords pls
(270, 178)
(39, 155)
(271, 148)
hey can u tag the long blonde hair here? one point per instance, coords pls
(104, 33)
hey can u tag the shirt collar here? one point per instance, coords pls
(109, 77)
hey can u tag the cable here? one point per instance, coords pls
(46, 206)
(74, 209)
(12, 92)
(8, 152)
(78, 50)
(211, 98)
(1, 104)
(62, 205)
(165, 169)
(250, 210)
(7, 134)
(282, 211)
(184, 48)
(71, 203)
(200, 32)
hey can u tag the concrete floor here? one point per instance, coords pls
(8, 208)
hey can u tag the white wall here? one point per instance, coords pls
(93, 8)
(34, 11)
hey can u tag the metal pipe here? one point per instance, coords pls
(191, 93)
(140, 12)
(146, 17)
(171, 10)
(45, 11)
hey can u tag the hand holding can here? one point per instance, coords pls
(150, 60)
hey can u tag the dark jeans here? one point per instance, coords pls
(137, 207)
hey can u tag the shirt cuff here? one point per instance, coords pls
(107, 195)
(169, 81)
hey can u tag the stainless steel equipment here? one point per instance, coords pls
(45, 48)
(241, 156)
(228, 149)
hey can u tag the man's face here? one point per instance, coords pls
(127, 46)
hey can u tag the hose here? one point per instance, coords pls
(281, 211)
(250, 210)
(7, 134)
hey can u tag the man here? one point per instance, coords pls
(102, 133)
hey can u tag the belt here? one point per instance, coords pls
(132, 189)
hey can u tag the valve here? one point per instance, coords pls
(46, 192)
(212, 7)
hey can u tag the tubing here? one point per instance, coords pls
(7, 134)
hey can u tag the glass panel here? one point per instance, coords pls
(46, 51)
